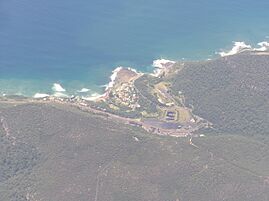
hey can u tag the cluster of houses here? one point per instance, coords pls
(126, 95)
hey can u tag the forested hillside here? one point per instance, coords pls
(54, 152)
(231, 92)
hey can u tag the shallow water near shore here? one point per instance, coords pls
(78, 43)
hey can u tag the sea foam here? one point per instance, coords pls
(41, 95)
(57, 88)
(159, 65)
(83, 90)
(60, 95)
(263, 46)
(93, 97)
(113, 77)
(237, 48)
(242, 46)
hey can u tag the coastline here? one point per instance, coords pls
(148, 102)
(158, 65)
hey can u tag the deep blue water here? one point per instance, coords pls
(79, 42)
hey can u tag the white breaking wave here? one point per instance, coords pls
(57, 88)
(93, 97)
(104, 86)
(83, 90)
(133, 70)
(113, 77)
(60, 95)
(159, 65)
(263, 46)
(237, 48)
(40, 95)
(242, 46)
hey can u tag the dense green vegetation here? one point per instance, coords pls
(62, 153)
(147, 100)
(58, 152)
(231, 92)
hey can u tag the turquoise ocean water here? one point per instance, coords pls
(77, 43)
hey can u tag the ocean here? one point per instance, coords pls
(77, 44)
